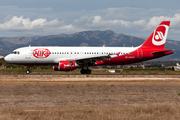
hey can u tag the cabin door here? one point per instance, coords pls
(27, 54)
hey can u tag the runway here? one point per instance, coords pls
(61, 78)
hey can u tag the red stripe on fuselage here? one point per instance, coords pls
(134, 57)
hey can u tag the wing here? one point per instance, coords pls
(88, 59)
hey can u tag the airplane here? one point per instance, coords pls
(70, 58)
(178, 66)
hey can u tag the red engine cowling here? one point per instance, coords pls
(65, 66)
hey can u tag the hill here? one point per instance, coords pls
(86, 38)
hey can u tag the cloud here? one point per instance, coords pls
(154, 21)
(98, 22)
(139, 23)
(97, 19)
(45, 21)
(21, 24)
(42, 26)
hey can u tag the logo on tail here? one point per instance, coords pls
(159, 35)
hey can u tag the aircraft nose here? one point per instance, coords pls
(7, 58)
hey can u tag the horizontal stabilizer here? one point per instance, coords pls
(164, 51)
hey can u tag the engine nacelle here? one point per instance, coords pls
(65, 66)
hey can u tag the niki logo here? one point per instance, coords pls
(41, 53)
(159, 35)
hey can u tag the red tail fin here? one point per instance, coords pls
(158, 38)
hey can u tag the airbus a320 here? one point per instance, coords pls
(70, 58)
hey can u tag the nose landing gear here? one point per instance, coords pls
(27, 71)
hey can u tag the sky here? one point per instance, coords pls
(52, 17)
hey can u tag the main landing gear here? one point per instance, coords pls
(85, 71)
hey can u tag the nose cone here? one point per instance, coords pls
(7, 58)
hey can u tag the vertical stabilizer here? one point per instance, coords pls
(158, 38)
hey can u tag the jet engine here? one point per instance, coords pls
(65, 66)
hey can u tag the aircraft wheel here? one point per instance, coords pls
(83, 71)
(88, 71)
(27, 72)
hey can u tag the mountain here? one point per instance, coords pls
(86, 38)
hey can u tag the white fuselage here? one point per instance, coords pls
(64, 53)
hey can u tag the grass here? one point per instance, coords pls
(130, 100)
(22, 70)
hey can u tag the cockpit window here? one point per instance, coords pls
(15, 52)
